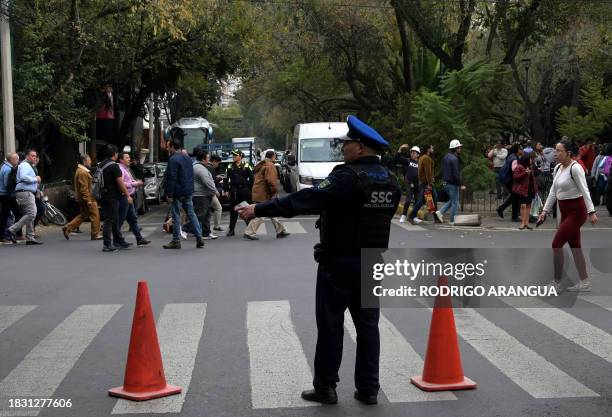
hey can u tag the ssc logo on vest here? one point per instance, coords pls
(380, 199)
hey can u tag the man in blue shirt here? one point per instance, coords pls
(452, 181)
(7, 192)
(25, 195)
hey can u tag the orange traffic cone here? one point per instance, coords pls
(144, 372)
(442, 370)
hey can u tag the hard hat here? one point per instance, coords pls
(416, 149)
(454, 144)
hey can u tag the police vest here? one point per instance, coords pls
(364, 220)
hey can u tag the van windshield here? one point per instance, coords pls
(320, 150)
(194, 137)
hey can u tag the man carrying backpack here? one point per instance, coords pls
(8, 181)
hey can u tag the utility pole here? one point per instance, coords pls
(7, 80)
(151, 131)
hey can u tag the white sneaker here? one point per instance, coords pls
(184, 235)
(556, 285)
(582, 286)
(451, 223)
(403, 219)
(210, 237)
(439, 216)
(417, 220)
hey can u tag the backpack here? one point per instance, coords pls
(12, 180)
(606, 166)
(97, 188)
(505, 174)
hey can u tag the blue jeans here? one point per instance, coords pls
(453, 201)
(186, 202)
(128, 212)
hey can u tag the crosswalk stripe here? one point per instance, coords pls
(10, 314)
(278, 366)
(43, 369)
(572, 328)
(179, 330)
(294, 227)
(602, 301)
(408, 226)
(398, 362)
(525, 367)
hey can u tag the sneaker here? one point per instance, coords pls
(183, 235)
(143, 242)
(249, 237)
(123, 246)
(11, 235)
(172, 245)
(230, 233)
(556, 285)
(500, 212)
(65, 232)
(416, 220)
(439, 216)
(451, 223)
(582, 286)
(282, 234)
(199, 242)
(34, 242)
(403, 218)
(210, 237)
(218, 229)
(97, 237)
(109, 249)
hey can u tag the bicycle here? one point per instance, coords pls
(52, 214)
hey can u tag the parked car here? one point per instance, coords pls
(153, 177)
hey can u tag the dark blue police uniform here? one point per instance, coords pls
(356, 203)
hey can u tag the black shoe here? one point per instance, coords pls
(123, 246)
(323, 396)
(200, 243)
(34, 242)
(11, 235)
(172, 245)
(249, 237)
(109, 249)
(500, 212)
(65, 232)
(282, 234)
(369, 399)
(230, 233)
(143, 242)
(218, 229)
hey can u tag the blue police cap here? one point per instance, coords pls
(361, 132)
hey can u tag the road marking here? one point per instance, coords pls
(526, 368)
(44, 368)
(278, 366)
(572, 328)
(179, 330)
(294, 227)
(398, 362)
(602, 301)
(10, 314)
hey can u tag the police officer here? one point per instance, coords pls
(237, 185)
(356, 203)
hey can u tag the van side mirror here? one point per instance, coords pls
(291, 160)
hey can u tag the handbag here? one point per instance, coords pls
(536, 206)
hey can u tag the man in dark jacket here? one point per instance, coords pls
(179, 190)
(451, 176)
(237, 185)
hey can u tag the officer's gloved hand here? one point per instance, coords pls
(318, 252)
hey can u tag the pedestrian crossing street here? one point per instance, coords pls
(278, 366)
(293, 227)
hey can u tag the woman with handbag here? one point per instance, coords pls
(569, 189)
(525, 188)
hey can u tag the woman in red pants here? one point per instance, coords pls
(569, 189)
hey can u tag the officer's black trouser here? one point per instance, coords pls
(237, 197)
(338, 288)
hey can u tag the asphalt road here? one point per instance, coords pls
(236, 325)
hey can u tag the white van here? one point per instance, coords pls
(315, 153)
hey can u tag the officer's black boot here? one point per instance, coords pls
(322, 395)
(369, 399)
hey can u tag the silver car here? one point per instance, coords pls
(153, 178)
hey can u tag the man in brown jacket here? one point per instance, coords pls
(264, 189)
(87, 202)
(426, 183)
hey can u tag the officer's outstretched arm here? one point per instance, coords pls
(336, 188)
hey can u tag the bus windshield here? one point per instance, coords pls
(194, 136)
(320, 150)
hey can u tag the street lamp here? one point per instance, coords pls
(527, 63)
